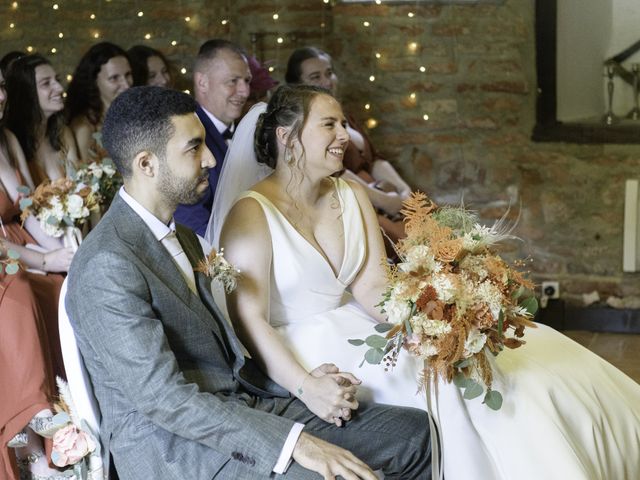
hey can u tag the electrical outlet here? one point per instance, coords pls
(551, 289)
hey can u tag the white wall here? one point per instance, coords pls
(589, 32)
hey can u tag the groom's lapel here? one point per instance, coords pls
(156, 258)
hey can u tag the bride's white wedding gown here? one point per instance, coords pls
(567, 414)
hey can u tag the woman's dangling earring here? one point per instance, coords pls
(288, 157)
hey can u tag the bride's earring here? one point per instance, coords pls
(288, 157)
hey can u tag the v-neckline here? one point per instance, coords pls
(317, 249)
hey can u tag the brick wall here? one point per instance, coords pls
(478, 91)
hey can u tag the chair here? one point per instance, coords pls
(85, 402)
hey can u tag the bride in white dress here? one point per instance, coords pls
(310, 253)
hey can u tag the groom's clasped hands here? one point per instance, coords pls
(329, 393)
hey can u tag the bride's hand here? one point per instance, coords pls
(57, 260)
(330, 394)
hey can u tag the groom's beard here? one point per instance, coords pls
(180, 190)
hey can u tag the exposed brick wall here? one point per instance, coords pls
(478, 90)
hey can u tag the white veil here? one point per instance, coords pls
(240, 172)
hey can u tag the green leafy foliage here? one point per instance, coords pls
(530, 305)
(493, 400)
(472, 390)
(374, 356)
(383, 327)
(356, 341)
(376, 341)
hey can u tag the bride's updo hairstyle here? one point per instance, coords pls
(288, 107)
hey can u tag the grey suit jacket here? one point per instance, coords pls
(177, 397)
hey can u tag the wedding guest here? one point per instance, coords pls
(221, 81)
(29, 348)
(34, 115)
(103, 73)
(178, 398)
(8, 58)
(261, 85)
(149, 66)
(384, 186)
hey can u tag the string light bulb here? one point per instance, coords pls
(183, 70)
(12, 25)
(140, 13)
(147, 36)
(423, 68)
(55, 6)
(372, 123)
(271, 69)
(366, 24)
(325, 1)
(187, 19)
(60, 35)
(412, 96)
(54, 50)
(425, 117)
(280, 40)
(174, 43)
(367, 106)
(224, 22)
(378, 55)
(276, 16)
(96, 35)
(29, 49)
(14, 5)
(188, 92)
(410, 14)
(372, 78)
(413, 46)
(69, 77)
(378, 2)
(92, 16)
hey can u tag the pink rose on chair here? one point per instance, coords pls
(71, 445)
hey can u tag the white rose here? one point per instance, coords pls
(108, 170)
(474, 342)
(52, 230)
(75, 207)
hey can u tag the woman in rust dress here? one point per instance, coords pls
(30, 354)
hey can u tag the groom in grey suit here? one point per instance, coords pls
(178, 398)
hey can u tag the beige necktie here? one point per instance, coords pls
(171, 243)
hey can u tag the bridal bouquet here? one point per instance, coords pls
(452, 300)
(58, 205)
(103, 179)
(74, 444)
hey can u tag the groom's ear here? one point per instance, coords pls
(146, 163)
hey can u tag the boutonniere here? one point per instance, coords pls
(216, 267)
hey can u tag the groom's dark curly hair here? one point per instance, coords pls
(139, 119)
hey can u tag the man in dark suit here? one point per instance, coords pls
(221, 84)
(178, 398)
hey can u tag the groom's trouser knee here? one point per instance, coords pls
(395, 440)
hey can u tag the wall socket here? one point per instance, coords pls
(551, 289)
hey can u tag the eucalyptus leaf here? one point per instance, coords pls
(23, 189)
(383, 327)
(356, 341)
(493, 400)
(530, 305)
(374, 356)
(500, 323)
(517, 293)
(25, 203)
(51, 220)
(12, 268)
(473, 390)
(66, 219)
(13, 254)
(376, 341)
(407, 325)
(463, 363)
(461, 381)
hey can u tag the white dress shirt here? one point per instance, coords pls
(219, 124)
(166, 235)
